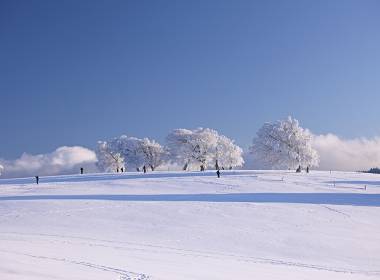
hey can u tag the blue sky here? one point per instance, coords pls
(74, 72)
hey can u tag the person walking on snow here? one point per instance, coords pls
(218, 173)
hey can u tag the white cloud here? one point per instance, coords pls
(64, 160)
(347, 154)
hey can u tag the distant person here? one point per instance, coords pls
(81, 170)
(122, 169)
(298, 170)
(218, 173)
(144, 169)
(37, 179)
(117, 170)
(307, 169)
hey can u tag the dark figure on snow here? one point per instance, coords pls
(144, 169)
(307, 169)
(37, 179)
(218, 173)
(298, 169)
(81, 170)
(122, 169)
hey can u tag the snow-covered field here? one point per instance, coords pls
(245, 225)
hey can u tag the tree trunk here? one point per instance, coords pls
(185, 166)
(216, 165)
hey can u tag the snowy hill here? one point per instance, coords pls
(245, 225)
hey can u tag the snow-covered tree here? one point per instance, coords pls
(130, 151)
(151, 153)
(129, 148)
(109, 157)
(227, 153)
(284, 144)
(203, 143)
(194, 147)
(203, 147)
(179, 146)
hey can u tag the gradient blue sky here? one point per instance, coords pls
(74, 72)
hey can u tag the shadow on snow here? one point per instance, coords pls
(352, 199)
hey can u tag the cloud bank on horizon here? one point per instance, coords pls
(64, 160)
(335, 154)
(357, 154)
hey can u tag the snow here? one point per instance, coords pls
(191, 225)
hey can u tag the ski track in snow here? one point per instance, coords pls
(336, 211)
(124, 274)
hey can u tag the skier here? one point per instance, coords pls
(37, 179)
(218, 173)
(298, 169)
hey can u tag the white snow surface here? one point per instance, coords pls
(191, 225)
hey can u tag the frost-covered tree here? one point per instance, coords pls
(227, 153)
(203, 147)
(109, 157)
(194, 147)
(129, 148)
(284, 144)
(152, 153)
(179, 146)
(130, 151)
(203, 143)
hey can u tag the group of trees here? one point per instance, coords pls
(282, 144)
(202, 148)
(123, 151)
